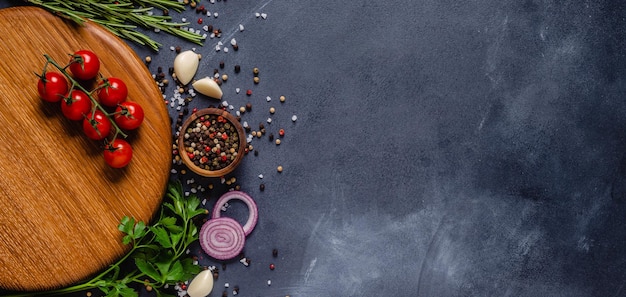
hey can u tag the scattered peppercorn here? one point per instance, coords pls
(248, 106)
(148, 59)
(279, 168)
(249, 92)
(255, 71)
(281, 132)
(282, 98)
(237, 68)
(262, 187)
(275, 253)
(236, 47)
(256, 80)
(272, 110)
(277, 141)
(272, 266)
(222, 64)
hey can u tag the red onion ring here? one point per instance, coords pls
(222, 238)
(252, 217)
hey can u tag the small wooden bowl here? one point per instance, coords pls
(240, 149)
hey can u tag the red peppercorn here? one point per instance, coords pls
(207, 148)
(272, 267)
(200, 21)
(224, 136)
(249, 92)
(183, 286)
(281, 132)
(224, 158)
(194, 110)
(191, 155)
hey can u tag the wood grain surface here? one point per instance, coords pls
(60, 204)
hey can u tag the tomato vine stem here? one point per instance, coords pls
(75, 85)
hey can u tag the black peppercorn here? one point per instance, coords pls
(262, 187)
(275, 252)
(222, 64)
(237, 68)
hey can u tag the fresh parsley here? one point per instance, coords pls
(158, 252)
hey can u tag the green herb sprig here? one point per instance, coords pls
(157, 255)
(123, 17)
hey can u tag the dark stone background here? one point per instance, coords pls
(442, 148)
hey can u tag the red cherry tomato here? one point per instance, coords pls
(77, 106)
(129, 115)
(52, 87)
(112, 92)
(97, 126)
(118, 153)
(84, 65)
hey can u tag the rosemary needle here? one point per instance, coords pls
(123, 17)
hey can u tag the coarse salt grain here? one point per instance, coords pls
(264, 16)
(294, 118)
(215, 14)
(268, 98)
(241, 28)
(225, 49)
(256, 14)
(269, 120)
(237, 90)
(233, 41)
(261, 176)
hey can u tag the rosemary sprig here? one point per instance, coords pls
(124, 17)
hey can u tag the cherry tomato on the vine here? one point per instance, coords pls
(112, 91)
(52, 87)
(118, 153)
(97, 125)
(84, 64)
(77, 106)
(129, 115)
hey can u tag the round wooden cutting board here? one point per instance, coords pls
(60, 204)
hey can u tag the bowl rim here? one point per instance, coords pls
(240, 151)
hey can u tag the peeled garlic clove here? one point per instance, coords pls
(201, 285)
(185, 66)
(208, 87)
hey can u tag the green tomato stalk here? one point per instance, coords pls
(157, 255)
